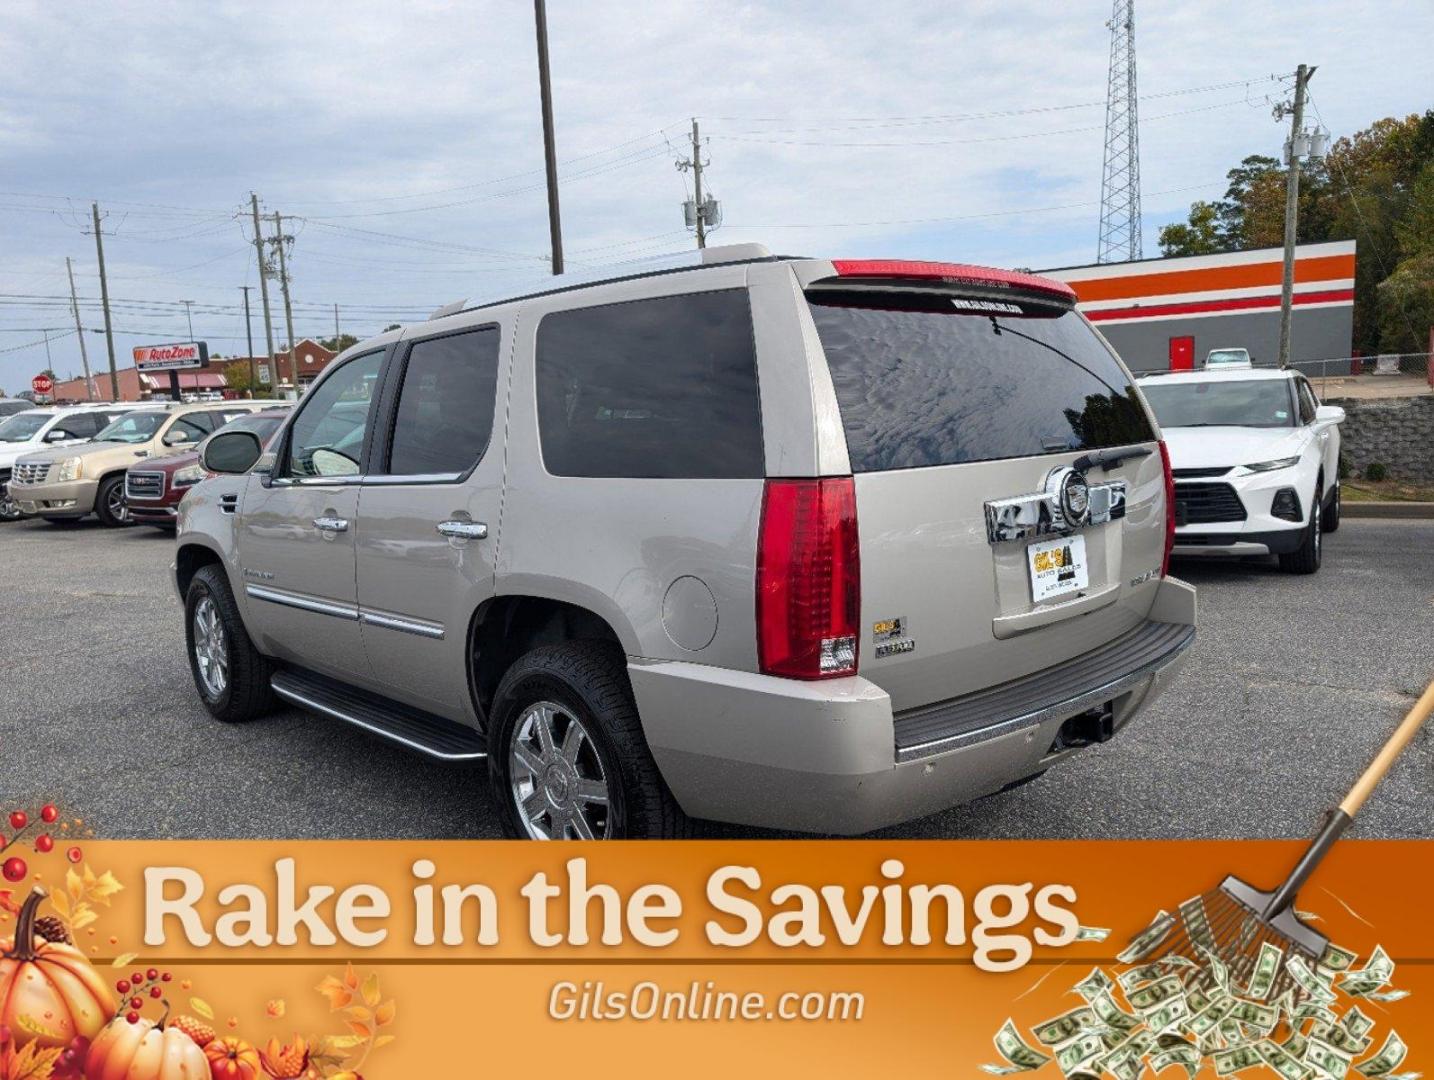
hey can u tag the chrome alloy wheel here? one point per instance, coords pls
(116, 505)
(559, 786)
(1318, 525)
(211, 649)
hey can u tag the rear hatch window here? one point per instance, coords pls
(940, 387)
(956, 391)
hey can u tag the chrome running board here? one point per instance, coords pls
(432, 735)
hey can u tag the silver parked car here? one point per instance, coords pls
(786, 542)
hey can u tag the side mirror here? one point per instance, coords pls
(57, 435)
(175, 437)
(231, 452)
(1329, 414)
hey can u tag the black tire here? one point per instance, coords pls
(61, 521)
(1306, 558)
(109, 502)
(246, 694)
(588, 680)
(1331, 515)
(8, 510)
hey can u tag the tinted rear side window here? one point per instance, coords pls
(662, 388)
(445, 407)
(920, 388)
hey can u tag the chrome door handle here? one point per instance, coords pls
(463, 530)
(331, 524)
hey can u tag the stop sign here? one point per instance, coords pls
(42, 384)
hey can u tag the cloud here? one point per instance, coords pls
(419, 121)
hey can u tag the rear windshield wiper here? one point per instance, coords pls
(1109, 459)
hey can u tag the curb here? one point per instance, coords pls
(1381, 509)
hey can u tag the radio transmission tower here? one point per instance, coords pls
(1120, 178)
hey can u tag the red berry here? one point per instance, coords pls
(14, 869)
(49, 813)
(44, 843)
(166, 977)
(122, 986)
(136, 1003)
(152, 974)
(19, 819)
(155, 991)
(132, 1017)
(74, 854)
(137, 978)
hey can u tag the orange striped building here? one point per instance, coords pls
(1168, 313)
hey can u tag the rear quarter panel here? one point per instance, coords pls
(616, 546)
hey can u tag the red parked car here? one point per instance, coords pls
(152, 492)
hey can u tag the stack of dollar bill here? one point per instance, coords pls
(1190, 1010)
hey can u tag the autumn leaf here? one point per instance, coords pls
(338, 994)
(351, 979)
(335, 1043)
(84, 915)
(103, 888)
(61, 903)
(33, 1063)
(384, 1014)
(28, 1023)
(359, 1013)
(363, 1031)
(123, 960)
(74, 885)
(202, 1007)
(7, 902)
(371, 993)
(276, 1008)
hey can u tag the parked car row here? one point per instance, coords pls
(65, 463)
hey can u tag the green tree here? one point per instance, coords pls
(339, 344)
(1200, 235)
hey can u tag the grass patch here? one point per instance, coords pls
(1385, 491)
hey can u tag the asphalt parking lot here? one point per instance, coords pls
(1291, 685)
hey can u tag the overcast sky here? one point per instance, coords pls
(405, 139)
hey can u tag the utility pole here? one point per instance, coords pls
(550, 153)
(188, 315)
(249, 336)
(701, 211)
(1292, 209)
(336, 329)
(278, 241)
(80, 332)
(263, 288)
(105, 303)
(697, 185)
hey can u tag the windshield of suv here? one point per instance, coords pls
(922, 388)
(1233, 403)
(22, 427)
(136, 427)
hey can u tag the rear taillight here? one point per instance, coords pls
(808, 579)
(1169, 507)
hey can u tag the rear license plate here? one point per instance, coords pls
(1057, 567)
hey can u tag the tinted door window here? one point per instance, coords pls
(191, 425)
(920, 388)
(653, 388)
(1308, 405)
(445, 406)
(328, 434)
(82, 425)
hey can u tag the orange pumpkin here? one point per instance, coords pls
(49, 994)
(232, 1058)
(144, 1051)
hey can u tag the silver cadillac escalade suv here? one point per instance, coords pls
(799, 543)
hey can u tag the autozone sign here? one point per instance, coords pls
(174, 357)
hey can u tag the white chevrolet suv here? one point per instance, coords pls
(1256, 462)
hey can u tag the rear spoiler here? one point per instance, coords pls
(987, 290)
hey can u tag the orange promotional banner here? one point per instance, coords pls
(399, 959)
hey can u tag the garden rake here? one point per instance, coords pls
(1232, 922)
